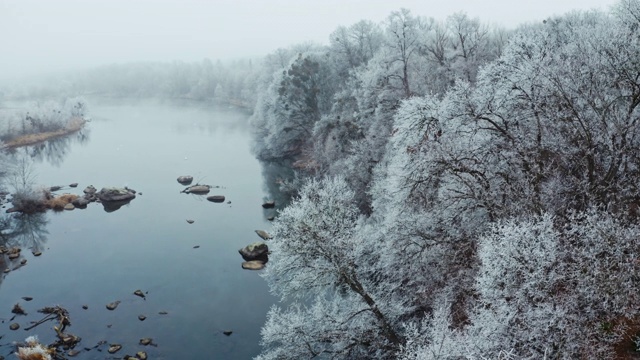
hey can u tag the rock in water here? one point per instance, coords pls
(81, 202)
(269, 204)
(73, 185)
(90, 190)
(185, 180)
(73, 353)
(197, 189)
(69, 206)
(253, 265)
(263, 234)
(216, 198)
(116, 194)
(114, 348)
(113, 305)
(255, 251)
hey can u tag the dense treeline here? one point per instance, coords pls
(232, 83)
(470, 193)
(332, 107)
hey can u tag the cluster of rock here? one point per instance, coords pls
(112, 198)
(11, 258)
(69, 345)
(199, 189)
(256, 255)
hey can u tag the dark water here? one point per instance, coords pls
(93, 257)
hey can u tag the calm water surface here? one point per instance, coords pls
(93, 257)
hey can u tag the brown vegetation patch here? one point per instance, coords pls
(59, 202)
(74, 124)
(626, 347)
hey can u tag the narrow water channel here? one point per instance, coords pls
(192, 272)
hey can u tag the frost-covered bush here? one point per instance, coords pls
(41, 117)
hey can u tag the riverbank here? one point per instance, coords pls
(75, 124)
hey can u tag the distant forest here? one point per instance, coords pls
(462, 191)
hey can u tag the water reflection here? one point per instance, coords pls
(26, 231)
(204, 290)
(280, 182)
(54, 150)
(111, 206)
(18, 232)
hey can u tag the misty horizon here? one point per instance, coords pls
(42, 38)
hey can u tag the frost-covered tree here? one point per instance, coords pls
(294, 101)
(495, 207)
(316, 254)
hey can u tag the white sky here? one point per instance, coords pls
(38, 36)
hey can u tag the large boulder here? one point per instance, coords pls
(255, 251)
(116, 194)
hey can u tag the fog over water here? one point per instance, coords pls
(46, 36)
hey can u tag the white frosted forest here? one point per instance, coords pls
(466, 192)
(462, 191)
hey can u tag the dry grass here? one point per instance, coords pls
(58, 202)
(75, 124)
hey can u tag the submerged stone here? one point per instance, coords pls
(216, 198)
(253, 265)
(73, 353)
(263, 234)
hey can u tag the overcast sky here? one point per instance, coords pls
(38, 36)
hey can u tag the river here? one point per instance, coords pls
(192, 272)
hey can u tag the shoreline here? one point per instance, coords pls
(75, 125)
